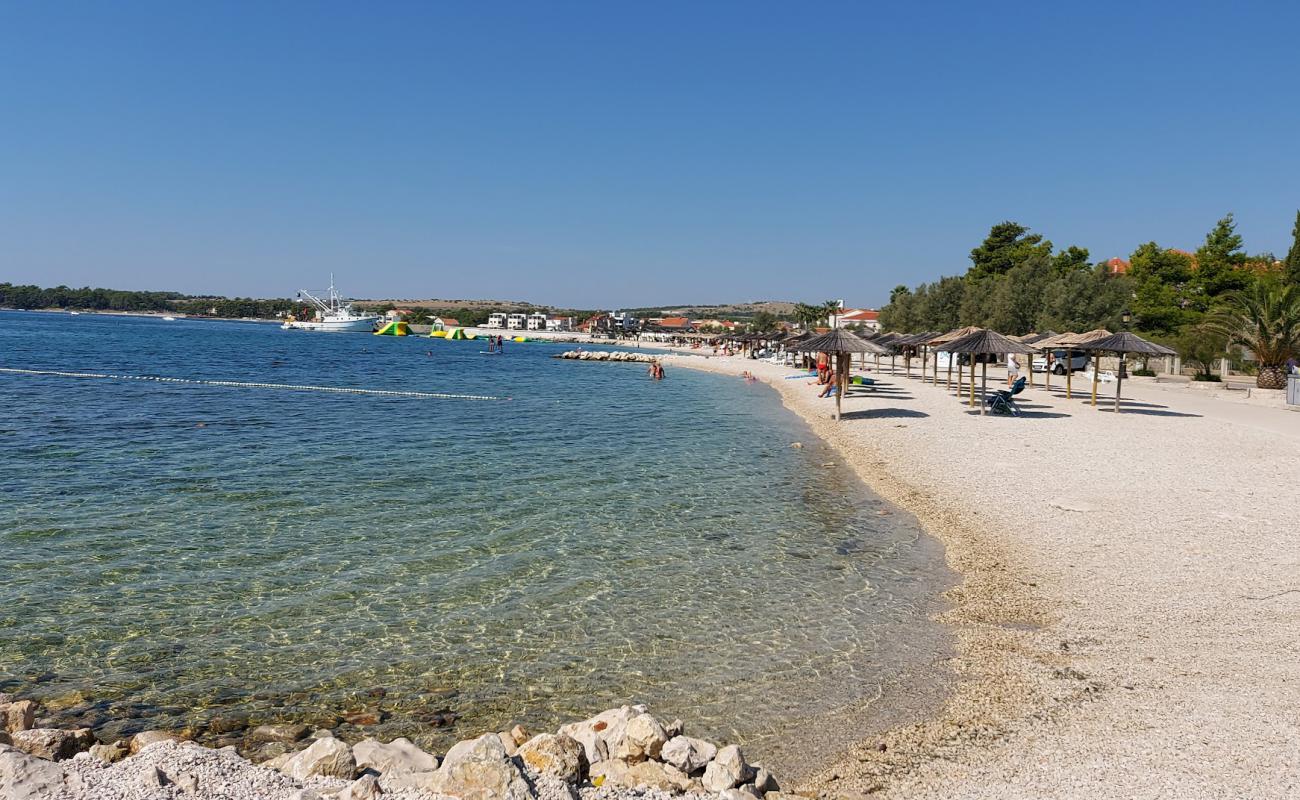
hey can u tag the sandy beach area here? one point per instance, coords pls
(1129, 613)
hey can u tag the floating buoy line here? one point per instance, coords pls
(248, 385)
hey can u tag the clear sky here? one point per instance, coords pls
(616, 153)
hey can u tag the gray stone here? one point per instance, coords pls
(53, 744)
(26, 777)
(734, 761)
(145, 738)
(399, 755)
(364, 788)
(687, 754)
(553, 754)
(110, 753)
(279, 733)
(764, 782)
(745, 792)
(188, 782)
(152, 777)
(19, 715)
(327, 758)
(278, 762)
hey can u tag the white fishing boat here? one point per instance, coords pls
(169, 319)
(333, 314)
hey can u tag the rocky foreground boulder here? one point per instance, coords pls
(623, 752)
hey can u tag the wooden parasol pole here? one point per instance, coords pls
(984, 385)
(839, 385)
(1047, 369)
(972, 380)
(949, 386)
(1096, 375)
(1069, 371)
(1119, 381)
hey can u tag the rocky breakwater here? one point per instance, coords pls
(620, 753)
(606, 355)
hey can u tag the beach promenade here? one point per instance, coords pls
(1129, 616)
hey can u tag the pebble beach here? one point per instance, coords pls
(1129, 611)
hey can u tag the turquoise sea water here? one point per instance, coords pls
(197, 557)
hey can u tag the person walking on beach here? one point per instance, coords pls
(1013, 369)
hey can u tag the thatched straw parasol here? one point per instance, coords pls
(985, 343)
(1070, 343)
(842, 345)
(1122, 343)
(952, 336)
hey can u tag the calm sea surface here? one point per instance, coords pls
(198, 557)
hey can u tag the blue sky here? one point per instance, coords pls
(609, 153)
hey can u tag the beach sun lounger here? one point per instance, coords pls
(1003, 401)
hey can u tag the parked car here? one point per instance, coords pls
(1077, 362)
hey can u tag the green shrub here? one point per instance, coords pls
(1201, 376)
(1144, 373)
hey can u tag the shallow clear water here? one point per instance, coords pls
(178, 556)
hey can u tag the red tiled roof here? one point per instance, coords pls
(1118, 266)
(675, 322)
(860, 315)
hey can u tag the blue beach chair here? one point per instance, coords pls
(1003, 400)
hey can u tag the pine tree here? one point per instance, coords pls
(1293, 255)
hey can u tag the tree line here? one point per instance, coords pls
(1019, 283)
(30, 297)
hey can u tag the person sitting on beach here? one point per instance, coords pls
(829, 390)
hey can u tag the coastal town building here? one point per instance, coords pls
(445, 323)
(866, 318)
(559, 323)
(517, 322)
(536, 322)
(496, 320)
(673, 323)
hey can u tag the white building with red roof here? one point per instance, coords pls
(867, 318)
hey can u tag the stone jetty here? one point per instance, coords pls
(606, 355)
(624, 752)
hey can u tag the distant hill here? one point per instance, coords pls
(778, 307)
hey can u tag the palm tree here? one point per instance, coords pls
(806, 315)
(829, 309)
(1266, 321)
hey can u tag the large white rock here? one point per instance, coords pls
(687, 754)
(553, 754)
(479, 770)
(609, 726)
(727, 770)
(53, 744)
(328, 758)
(643, 738)
(399, 755)
(25, 777)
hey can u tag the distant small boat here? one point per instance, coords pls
(169, 319)
(75, 313)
